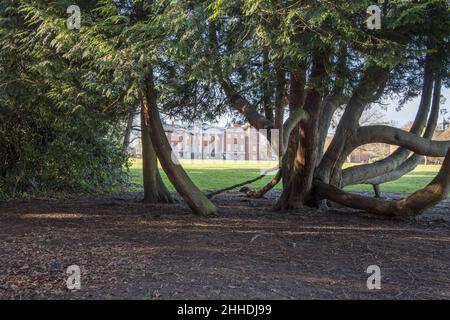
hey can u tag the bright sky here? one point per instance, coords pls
(400, 118)
(408, 112)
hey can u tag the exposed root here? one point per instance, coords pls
(437, 190)
(261, 192)
(215, 193)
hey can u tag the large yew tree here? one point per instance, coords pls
(273, 57)
(286, 65)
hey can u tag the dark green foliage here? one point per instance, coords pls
(55, 135)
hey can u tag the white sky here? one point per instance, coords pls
(399, 118)
(408, 112)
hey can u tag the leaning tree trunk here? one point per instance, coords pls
(127, 132)
(155, 191)
(330, 168)
(333, 100)
(195, 199)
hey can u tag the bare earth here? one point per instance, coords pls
(128, 250)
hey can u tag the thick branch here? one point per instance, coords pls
(407, 166)
(236, 100)
(243, 106)
(395, 136)
(176, 174)
(330, 166)
(416, 203)
(361, 173)
(261, 192)
(412, 162)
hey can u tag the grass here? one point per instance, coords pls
(210, 175)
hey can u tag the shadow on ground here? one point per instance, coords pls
(127, 249)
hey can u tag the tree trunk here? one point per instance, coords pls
(329, 170)
(127, 133)
(194, 198)
(299, 175)
(376, 190)
(155, 191)
(266, 88)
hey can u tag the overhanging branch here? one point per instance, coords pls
(395, 136)
(415, 204)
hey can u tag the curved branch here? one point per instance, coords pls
(361, 173)
(437, 190)
(236, 100)
(395, 136)
(407, 166)
(330, 166)
(412, 162)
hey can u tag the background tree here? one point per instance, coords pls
(55, 134)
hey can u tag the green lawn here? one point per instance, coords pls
(211, 175)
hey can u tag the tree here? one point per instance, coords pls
(327, 60)
(286, 65)
(120, 43)
(51, 141)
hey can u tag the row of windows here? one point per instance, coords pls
(181, 138)
(235, 147)
(227, 156)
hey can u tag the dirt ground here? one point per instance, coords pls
(129, 250)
